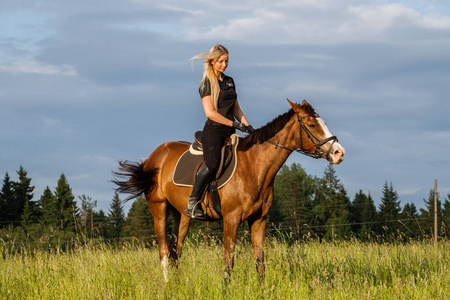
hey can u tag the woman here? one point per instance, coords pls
(221, 107)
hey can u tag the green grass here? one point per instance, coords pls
(311, 270)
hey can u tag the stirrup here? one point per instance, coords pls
(193, 209)
(197, 213)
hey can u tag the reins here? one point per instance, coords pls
(318, 143)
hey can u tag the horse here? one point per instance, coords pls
(247, 196)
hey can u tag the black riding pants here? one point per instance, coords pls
(213, 139)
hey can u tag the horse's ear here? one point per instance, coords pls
(304, 102)
(294, 106)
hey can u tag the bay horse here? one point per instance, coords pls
(248, 195)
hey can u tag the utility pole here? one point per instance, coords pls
(435, 214)
(92, 223)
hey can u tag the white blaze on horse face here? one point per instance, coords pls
(324, 128)
(337, 151)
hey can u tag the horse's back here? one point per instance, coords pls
(166, 156)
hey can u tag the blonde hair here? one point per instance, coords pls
(208, 71)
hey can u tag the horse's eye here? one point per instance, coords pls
(312, 125)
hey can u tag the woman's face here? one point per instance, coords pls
(220, 64)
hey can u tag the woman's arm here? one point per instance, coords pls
(239, 114)
(212, 114)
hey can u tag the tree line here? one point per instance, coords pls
(307, 205)
(56, 215)
(304, 206)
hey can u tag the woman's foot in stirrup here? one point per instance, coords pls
(193, 209)
(197, 212)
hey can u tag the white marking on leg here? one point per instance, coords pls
(226, 277)
(165, 267)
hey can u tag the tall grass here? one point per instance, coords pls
(307, 270)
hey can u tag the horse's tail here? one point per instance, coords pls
(131, 178)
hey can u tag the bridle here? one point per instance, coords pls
(318, 143)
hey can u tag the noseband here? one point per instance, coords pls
(318, 143)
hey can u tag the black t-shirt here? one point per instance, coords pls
(227, 97)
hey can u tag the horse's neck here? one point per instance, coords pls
(270, 157)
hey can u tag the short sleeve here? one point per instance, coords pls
(234, 85)
(205, 88)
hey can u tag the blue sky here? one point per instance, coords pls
(84, 84)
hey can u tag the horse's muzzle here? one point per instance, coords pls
(336, 154)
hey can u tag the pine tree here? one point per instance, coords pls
(368, 219)
(48, 212)
(446, 216)
(100, 223)
(389, 209)
(139, 221)
(409, 218)
(294, 190)
(332, 206)
(23, 193)
(115, 218)
(7, 203)
(66, 205)
(27, 216)
(356, 211)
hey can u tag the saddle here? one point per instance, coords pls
(226, 154)
(192, 160)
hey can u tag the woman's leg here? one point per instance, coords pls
(203, 178)
(212, 141)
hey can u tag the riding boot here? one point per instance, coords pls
(204, 177)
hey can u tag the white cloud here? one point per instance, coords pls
(28, 66)
(382, 16)
(435, 22)
(368, 21)
(323, 22)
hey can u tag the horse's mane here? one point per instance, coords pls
(268, 131)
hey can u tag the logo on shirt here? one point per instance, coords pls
(230, 84)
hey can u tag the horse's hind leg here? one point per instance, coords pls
(159, 213)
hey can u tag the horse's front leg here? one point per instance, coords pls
(183, 229)
(180, 231)
(258, 229)
(230, 229)
(174, 241)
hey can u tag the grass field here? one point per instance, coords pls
(308, 270)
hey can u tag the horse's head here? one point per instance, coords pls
(315, 139)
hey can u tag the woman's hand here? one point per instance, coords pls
(242, 127)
